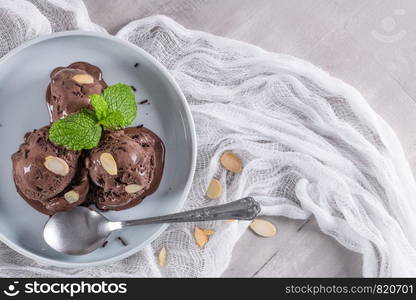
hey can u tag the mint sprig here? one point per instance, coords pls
(115, 108)
(121, 98)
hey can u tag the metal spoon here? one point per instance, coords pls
(81, 230)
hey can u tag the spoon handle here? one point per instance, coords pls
(243, 209)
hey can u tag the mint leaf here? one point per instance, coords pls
(76, 132)
(100, 106)
(113, 120)
(121, 98)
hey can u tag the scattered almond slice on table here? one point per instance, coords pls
(231, 162)
(133, 188)
(71, 196)
(162, 257)
(263, 228)
(214, 189)
(83, 78)
(201, 238)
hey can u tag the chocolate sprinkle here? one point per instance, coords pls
(144, 101)
(104, 244)
(123, 241)
(139, 126)
(136, 65)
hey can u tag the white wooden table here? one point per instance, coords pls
(370, 44)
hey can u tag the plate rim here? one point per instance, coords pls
(193, 139)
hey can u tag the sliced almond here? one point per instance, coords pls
(83, 78)
(109, 164)
(201, 238)
(214, 189)
(56, 165)
(133, 188)
(263, 228)
(71, 196)
(162, 257)
(231, 162)
(209, 232)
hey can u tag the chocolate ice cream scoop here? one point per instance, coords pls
(43, 172)
(74, 195)
(70, 87)
(126, 167)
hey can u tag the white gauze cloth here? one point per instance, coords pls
(310, 145)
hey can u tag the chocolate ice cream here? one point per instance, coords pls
(70, 87)
(48, 177)
(126, 167)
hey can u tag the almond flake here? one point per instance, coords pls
(209, 232)
(109, 164)
(71, 196)
(83, 78)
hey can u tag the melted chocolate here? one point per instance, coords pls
(40, 187)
